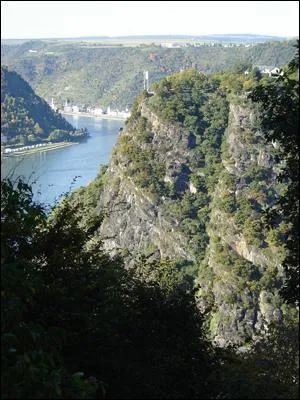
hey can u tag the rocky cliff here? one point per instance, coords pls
(192, 179)
(241, 275)
(136, 220)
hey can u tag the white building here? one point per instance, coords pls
(275, 71)
(270, 70)
(75, 109)
(171, 45)
(97, 111)
(67, 107)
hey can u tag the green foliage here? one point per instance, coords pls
(253, 232)
(145, 171)
(103, 75)
(244, 204)
(199, 182)
(164, 273)
(21, 218)
(240, 218)
(70, 312)
(192, 101)
(228, 180)
(240, 67)
(60, 135)
(269, 370)
(279, 111)
(27, 118)
(32, 349)
(76, 324)
(179, 98)
(256, 173)
(227, 203)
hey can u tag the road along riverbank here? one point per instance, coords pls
(49, 147)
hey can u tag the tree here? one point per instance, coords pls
(279, 101)
(240, 67)
(59, 135)
(38, 130)
(70, 311)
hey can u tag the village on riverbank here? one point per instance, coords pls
(73, 110)
(98, 112)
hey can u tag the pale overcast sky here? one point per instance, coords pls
(50, 19)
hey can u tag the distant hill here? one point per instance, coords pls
(105, 73)
(26, 118)
(218, 37)
(240, 37)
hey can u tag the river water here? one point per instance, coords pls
(52, 173)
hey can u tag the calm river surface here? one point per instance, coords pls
(51, 173)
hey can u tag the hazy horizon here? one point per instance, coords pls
(79, 19)
(151, 36)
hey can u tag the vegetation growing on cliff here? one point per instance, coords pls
(194, 165)
(255, 214)
(195, 107)
(70, 312)
(279, 101)
(76, 324)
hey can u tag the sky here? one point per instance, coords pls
(57, 19)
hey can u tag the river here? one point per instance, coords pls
(52, 173)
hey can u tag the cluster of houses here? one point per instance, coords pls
(99, 111)
(176, 45)
(96, 111)
(34, 146)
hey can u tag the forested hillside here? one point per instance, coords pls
(91, 74)
(26, 118)
(174, 273)
(193, 179)
(77, 324)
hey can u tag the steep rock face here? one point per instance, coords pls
(240, 277)
(135, 220)
(172, 145)
(196, 186)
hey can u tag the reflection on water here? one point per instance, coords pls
(52, 173)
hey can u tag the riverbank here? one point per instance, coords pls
(104, 116)
(53, 146)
